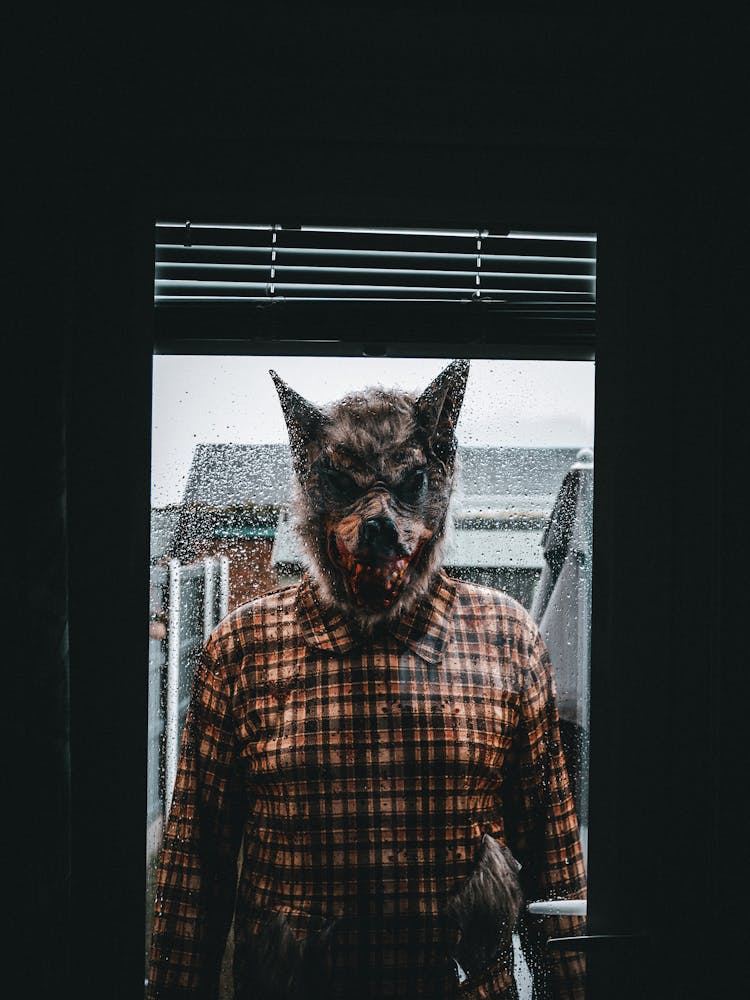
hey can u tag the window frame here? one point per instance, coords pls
(617, 247)
(255, 330)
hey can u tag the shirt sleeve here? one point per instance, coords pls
(542, 829)
(197, 871)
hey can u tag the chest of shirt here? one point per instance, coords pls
(382, 713)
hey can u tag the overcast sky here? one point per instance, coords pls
(232, 399)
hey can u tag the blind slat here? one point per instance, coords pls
(164, 268)
(206, 249)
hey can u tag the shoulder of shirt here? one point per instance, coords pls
(478, 595)
(248, 624)
(475, 600)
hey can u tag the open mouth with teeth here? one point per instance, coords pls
(377, 584)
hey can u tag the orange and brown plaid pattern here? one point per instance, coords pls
(360, 775)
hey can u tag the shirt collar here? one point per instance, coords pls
(425, 629)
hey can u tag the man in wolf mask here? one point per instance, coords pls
(384, 741)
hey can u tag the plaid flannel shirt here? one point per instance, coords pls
(359, 776)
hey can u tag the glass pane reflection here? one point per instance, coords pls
(222, 533)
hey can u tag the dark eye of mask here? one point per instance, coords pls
(341, 486)
(411, 489)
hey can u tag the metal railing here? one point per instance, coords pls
(190, 600)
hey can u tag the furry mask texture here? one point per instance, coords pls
(280, 967)
(374, 473)
(486, 907)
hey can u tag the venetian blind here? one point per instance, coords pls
(544, 275)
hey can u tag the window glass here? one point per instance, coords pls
(222, 533)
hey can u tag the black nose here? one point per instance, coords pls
(380, 534)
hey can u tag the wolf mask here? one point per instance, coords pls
(374, 476)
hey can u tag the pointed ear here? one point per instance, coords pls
(439, 406)
(303, 421)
